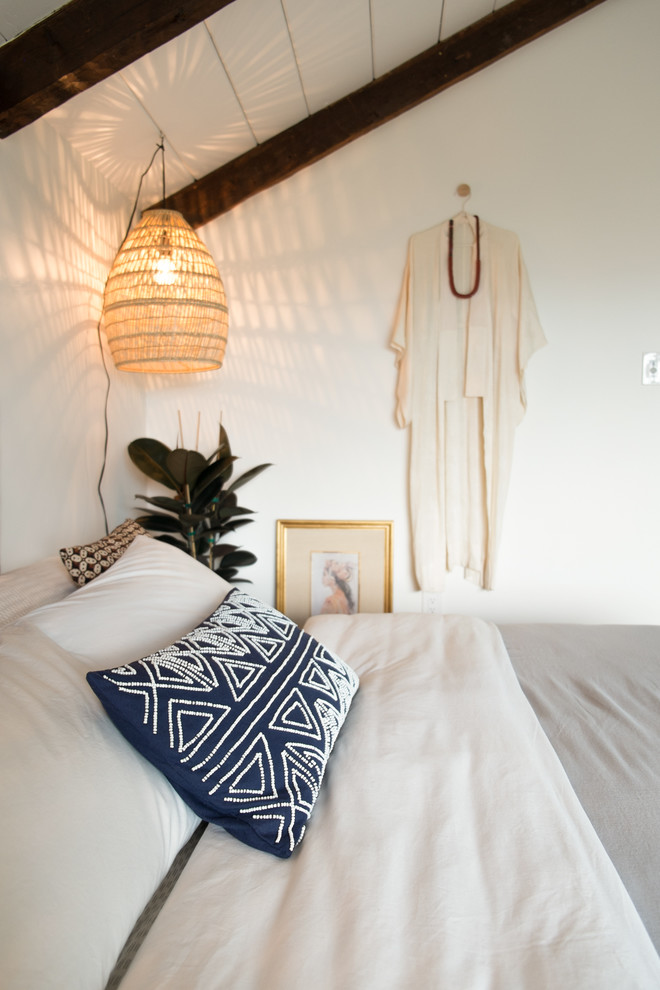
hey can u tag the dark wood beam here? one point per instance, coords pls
(82, 43)
(382, 100)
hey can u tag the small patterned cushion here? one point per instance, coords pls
(87, 562)
(240, 715)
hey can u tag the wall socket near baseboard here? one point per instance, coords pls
(431, 602)
(651, 369)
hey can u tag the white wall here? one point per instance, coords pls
(60, 226)
(560, 144)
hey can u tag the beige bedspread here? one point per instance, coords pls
(596, 692)
(447, 850)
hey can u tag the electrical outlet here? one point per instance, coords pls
(431, 602)
(651, 369)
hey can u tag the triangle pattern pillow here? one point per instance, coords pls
(241, 716)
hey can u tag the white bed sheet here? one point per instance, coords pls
(447, 849)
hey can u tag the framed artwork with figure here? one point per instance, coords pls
(335, 583)
(329, 567)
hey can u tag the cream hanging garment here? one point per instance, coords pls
(461, 365)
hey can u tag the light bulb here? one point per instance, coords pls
(164, 270)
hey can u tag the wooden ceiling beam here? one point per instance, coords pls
(82, 43)
(405, 87)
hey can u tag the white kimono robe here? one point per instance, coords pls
(461, 387)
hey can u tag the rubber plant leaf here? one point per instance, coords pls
(233, 510)
(229, 574)
(231, 524)
(225, 526)
(163, 502)
(150, 456)
(224, 448)
(220, 549)
(185, 466)
(228, 525)
(214, 471)
(252, 473)
(241, 558)
(157, 523)
(210, 482)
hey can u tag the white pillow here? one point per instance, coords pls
(148, 599)
(28, 587)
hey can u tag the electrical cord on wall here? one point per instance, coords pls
(107, 431)
(159, 147)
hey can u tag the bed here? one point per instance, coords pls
(486, 815)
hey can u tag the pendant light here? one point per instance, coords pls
(164, 306)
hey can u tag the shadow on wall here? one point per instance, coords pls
(60, 226)
(311, 308)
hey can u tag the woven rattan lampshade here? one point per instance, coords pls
(164, 307)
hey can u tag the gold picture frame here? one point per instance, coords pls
(326, 566)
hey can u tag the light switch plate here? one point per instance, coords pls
(651, 369)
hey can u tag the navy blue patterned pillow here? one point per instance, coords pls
(240, 715)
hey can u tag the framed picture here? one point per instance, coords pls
(326, 567)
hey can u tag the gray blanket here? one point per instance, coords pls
(596, 692)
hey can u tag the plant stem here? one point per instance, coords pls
(191, 531)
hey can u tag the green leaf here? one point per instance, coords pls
(210, 483)
(232, 524)
(164, 502)
(211, 505)
(224, 449)
(221, 468)
(216, 529)
(185, 466)
(233, 510)
(150, 456)
(228, 573)
(158, 523)
(248, 476)
(222, 548)
(240, 558)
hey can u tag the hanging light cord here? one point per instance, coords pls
(105, 420)
(159, 147)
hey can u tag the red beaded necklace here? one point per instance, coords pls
(477, 278)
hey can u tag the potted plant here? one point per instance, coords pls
(204, 507)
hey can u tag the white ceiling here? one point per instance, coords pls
(248, 72)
